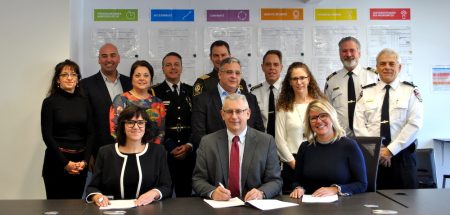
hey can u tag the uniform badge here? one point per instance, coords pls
(417, 94)
(198, 89)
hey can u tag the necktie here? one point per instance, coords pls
(175, 89)
(233, 176)
(351, 99)
(385, 128)
(271, 114)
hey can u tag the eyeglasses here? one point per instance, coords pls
(131, 123)
(301, 78)
(321, 116)
(230, 72)
(66, 75)
(237, 111)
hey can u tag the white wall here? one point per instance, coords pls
(37, 34)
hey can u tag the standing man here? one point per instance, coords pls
(218, 51)
(238, 161)
(206, 108)
(101, 89)
(267, 92)
(344, 85)
(393, 110)
(177, 99)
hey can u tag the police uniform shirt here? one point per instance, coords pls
(405, 113)
(336, 90)
(262, 92)
(171, 86)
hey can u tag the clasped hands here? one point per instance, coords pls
(144, 199)
(180, 152)
(321, 192)
(223, 194)
(74, 168)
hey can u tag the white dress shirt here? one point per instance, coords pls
(262, 92)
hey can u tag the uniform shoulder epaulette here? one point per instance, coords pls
(369, 85)
(155, 85)
(256, 87)
(331, 75)
(372, 70)
(204, 77)
(409, 83)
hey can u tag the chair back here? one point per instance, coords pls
(426, 170)
(370, 147)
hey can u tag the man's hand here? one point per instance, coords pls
(221, 194)
(254, 194)
(297, 193)
(385, 157)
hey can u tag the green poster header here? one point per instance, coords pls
(115, 15)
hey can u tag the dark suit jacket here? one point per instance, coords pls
(260, 164)
(206, 116)
(94, 88)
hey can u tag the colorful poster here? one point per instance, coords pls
(390, 14)
(115, 15)
(281, 13)
(330, 14)
(441, 78)
(172, 15)
(228, 15)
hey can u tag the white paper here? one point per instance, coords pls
(120, 204)
(269, 204)
(325, 199)
(225, 204)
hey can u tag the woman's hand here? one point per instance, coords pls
(297, 193)
(325, 191)
(72, 168)
(292, 164)
(147, 198)
(100, 200)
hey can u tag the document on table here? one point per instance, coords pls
(269, 204)
(225, 204)
(325, 199)
(120, 204)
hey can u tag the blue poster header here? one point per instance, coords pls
(171, 15)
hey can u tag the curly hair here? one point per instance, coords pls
(286, 98)
(128, 113)
(58, 69)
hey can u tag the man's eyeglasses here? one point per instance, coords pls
(237, 111)
(131, 123)
(66, 75)
(301, 78)
(322, 117)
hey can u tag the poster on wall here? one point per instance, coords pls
(175, 39)
(441, 78)
(125, 39)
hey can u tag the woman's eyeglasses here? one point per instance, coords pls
(322, 117)
(131, 123)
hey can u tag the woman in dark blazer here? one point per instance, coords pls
(132, 168)
(67, 133)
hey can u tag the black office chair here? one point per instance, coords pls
(426, 170)
(370, 147)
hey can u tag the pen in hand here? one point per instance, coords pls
(221, 193)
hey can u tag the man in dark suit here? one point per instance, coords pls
(218, 51)
(206, 107)
(177, 99)
(101, 89)
(238, 161)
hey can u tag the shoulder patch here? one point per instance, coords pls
(331, 75)
(369, 85)
(156, 85)
(409, 83)
(256, 87)
(204, 77)
(417, 94)
(372, 70)
(198, 88)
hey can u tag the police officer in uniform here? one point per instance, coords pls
(177, 99)
(218, 51)
(342, 87)
(394, 110)
(267, 92)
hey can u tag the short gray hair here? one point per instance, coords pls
(229, 60)
(391, 52)
(346, 39)
(236, 97)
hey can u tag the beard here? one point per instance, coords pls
(350, 63)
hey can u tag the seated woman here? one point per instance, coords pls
(132, 168)
(328, 163)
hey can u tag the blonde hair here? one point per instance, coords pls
(323, 106)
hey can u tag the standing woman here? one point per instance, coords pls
(298, 89)
(67, 133)
(141, 75)
(132, 168)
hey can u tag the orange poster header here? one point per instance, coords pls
(281, 13)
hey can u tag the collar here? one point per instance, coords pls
(224, 93)
(394, 84)
(242, 135)
(276, 85)
(106, 79)
(170, 84)
(356, 71)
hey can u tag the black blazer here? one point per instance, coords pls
(206, 116)
(94, 88)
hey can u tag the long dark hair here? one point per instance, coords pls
(128, 113)
(286, 99)
(58, 69)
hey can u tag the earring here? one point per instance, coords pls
(58, 85)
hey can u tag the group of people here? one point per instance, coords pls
(218, 139)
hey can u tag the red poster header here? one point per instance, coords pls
(390, 14)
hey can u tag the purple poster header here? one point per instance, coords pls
(228, 15)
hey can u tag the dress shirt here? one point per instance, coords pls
(224, 93)
(170, 84)
(241, 150)
(336, 91)
(114, 88)
(262, 91)
(405, 113)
